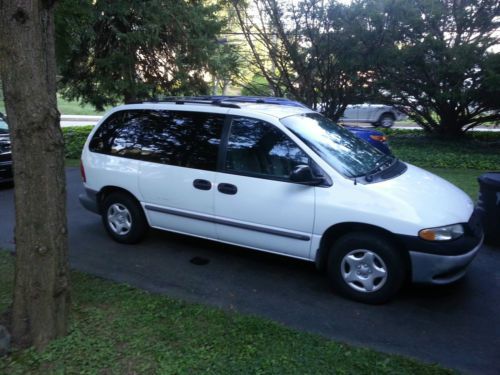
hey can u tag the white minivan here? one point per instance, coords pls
(279, 179)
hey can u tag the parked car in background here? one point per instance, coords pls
(5, 152)
(376, 114)
(374, 137)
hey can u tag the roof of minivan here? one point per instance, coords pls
(277, 111)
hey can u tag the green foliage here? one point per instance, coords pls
(257, 86)
(74, 139)
(305, 50)
(478, 150)
(111, 51)
(116, 329)
(433, 58)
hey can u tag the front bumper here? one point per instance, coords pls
(441, 269)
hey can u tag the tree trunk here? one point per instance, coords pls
(27, 63)
(449, 126)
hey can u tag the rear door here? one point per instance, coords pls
(180, 152)
(256, 205)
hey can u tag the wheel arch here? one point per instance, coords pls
(333, 233)
(387, 113)
(109, 189)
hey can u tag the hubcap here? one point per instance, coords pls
(119, 219)
(364, 271)
(387, 122)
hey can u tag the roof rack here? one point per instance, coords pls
(254, 99)
(194, 100)
(227, 100)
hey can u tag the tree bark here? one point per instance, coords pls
(28, 71)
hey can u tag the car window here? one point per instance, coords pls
(186, 139)
(258, 148)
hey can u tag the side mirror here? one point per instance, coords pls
(302, 174)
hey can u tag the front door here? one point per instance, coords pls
(256, 205)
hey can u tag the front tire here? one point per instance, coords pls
(123, 218)
(366, 268)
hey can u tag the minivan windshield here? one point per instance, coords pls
(340, 148)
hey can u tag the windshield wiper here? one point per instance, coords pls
(379, 166)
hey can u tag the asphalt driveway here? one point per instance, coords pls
(456, 326)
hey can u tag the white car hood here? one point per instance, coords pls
(422, 198)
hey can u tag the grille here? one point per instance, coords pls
(4, 147)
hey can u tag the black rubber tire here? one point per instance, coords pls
(386, 121)
(139, 224)
(393, 259)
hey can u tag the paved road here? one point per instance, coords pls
(457, 326)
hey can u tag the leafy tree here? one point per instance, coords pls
(28, 71)
(434, 58)
(303, 51)
(128, 50)
(256, 86)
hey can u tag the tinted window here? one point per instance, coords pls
(187, 139)
(256, 147)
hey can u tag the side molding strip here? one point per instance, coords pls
(277, 232)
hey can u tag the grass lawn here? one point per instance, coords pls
(74, 108)
(116, 329)
(67, 107)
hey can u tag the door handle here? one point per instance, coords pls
(227, 188)
(202, 184)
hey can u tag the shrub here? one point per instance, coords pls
(74, 139)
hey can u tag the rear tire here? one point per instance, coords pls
(386, 121)
(366, 268)
(123, 218)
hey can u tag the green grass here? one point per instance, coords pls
(117, 329)
(479, 151)
(67, 107)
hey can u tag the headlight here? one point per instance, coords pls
(446, 233)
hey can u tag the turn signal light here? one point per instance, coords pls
(446, 233)
(428, 234)
(380, 138)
